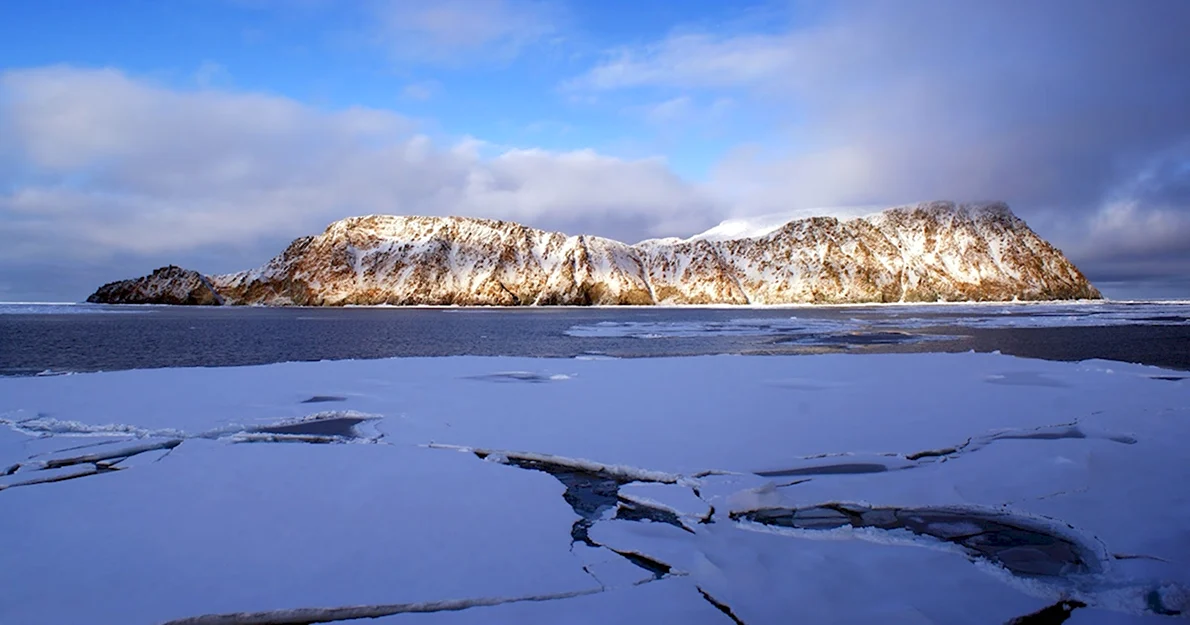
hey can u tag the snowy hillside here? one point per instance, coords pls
(936, 251)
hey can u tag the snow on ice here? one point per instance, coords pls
(907, 488)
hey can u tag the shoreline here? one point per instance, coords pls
(1022, 303)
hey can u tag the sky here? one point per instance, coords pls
(210, 133)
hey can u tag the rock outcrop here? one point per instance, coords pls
(168, 285)
(936, 251)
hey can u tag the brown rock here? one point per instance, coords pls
(936, 251)
(167, 285)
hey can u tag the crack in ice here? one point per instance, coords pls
(318, 428)
(592, 491)
(1055, 614)
(719, 605)
(304, 616)
(1020, 546)
(891, 461)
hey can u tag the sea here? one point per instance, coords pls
(51, 339)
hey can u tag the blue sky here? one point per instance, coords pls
(511, 91)
(208, 133)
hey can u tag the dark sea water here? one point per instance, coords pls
(36, 339)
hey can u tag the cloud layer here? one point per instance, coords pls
(1073, 111)
(97, 164)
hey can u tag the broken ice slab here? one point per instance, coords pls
(735, 421)
(72, 463)
(1026, 546)
(46, 426)
(680, 500)
(322, 399)
(51, 476)
(847, 340)
(674, 548)
(848, 463)
(1050, 555)
(342, 425)
(764, 578)
(103, 456)
(608, 568)
(531, 377)
(335, 425)
(108, 456)
(260, 527)
(592, 488)
(551, 463)
(827, 468)
(1025, 378)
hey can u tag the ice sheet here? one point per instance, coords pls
(221, 527)
(205, 491)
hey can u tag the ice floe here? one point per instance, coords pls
(890, 324)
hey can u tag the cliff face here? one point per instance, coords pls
(443, 261)
(928, 252)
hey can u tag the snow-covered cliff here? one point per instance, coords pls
(927, 252)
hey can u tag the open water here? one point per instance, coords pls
(45, 339)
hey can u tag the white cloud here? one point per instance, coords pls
(694, 60)
(551, 126)
(1073, 111)
(670, 110)
(1051, 106)
(684, 110)
(1126, 229)
(115, 165)
(454, 30)
(423, 90)
(211, 74)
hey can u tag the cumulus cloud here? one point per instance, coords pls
(97, 165)
(1056, 107)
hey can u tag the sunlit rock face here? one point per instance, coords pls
(168, 285)
(937, 251)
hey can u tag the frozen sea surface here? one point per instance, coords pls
(883, 488)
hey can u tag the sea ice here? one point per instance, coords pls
(634, 490)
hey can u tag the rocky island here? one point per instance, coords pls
(935, 251)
